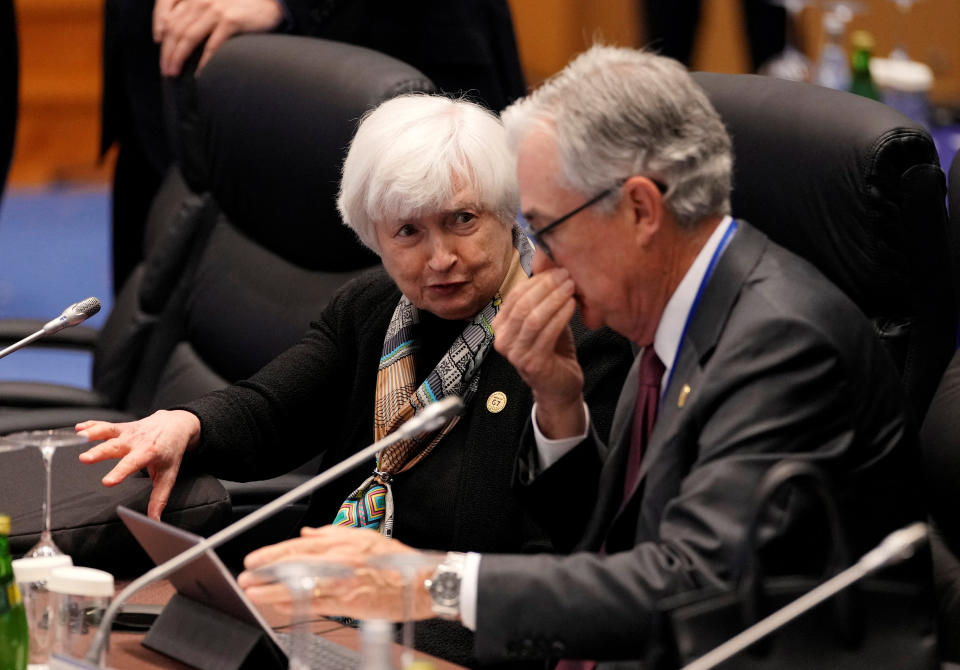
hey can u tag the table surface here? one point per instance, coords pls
(127, 653)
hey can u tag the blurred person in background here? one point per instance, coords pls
(463, 46)
(671, 28)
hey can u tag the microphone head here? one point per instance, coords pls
(76, 313)
(897, 546)
(901, 544)
(434, 415)
(86, 308)
(437, 414)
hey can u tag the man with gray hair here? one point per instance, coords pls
(749, 356)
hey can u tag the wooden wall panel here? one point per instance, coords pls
(60, 82)
(929, 32)
(551, 31)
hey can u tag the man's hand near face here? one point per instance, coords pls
(533, 333)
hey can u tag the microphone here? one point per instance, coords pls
(433, 416)
(898, 546)
(76, 313)
(430, 418)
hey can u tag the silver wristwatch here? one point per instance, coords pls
(444, 586)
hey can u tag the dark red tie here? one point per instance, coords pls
(644, 414)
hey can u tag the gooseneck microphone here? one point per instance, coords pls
(898, 546)
(76, 313)
(432, 417)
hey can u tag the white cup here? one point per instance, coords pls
(904, 85)
(80, 596)
(32, 575)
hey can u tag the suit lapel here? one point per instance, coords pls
(706, 325)
(611, 476)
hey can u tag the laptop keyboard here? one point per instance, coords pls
(323, 654)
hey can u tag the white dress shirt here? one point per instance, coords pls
(666, 343)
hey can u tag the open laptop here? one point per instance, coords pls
(207, 581)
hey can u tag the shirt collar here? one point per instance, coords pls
(666, 341)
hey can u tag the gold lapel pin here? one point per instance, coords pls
(682, 398)
(496, 402)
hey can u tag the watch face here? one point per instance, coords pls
(445, 589)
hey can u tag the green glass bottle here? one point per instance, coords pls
(861, 82)
(14, 639)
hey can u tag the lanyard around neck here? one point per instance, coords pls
(724, 241)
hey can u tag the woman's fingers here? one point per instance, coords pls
(98, 430)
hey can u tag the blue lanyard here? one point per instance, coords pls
(724, 241)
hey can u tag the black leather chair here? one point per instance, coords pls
(940, 438)
(240, 271)
(84, 520)
(856, 188)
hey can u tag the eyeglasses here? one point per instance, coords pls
(536, 236)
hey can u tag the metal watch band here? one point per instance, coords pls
(444, 586)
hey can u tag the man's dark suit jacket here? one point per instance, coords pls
(779, 364)
(318, 397)
(461, 45)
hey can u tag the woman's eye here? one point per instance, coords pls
(464, 217)
(406, 230)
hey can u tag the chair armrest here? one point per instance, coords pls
(78, 337)
(13, 419)
(257, 493)
(39, 394)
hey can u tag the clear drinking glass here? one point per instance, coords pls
(80, 598)
(32, 575)
(47, 441)
(410, 565)
(8, 445)
(300, 578)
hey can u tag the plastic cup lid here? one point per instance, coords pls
(38, 569)
(81, 581)
(902, 75)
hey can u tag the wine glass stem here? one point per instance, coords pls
(301, 591)
(47, 461)
(407, 658)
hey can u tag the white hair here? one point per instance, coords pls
(616, 113)
(412, 154)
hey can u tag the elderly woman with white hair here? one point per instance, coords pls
(429, 184)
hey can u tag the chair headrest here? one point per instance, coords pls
(953, 182)
(848, 183)
(265, 127)
(953, 188)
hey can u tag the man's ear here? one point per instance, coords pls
(644, 204)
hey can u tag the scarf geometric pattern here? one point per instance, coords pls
(398, 398)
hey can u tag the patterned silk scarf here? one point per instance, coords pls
(399, 398)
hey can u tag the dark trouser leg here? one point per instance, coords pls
(672, 27)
